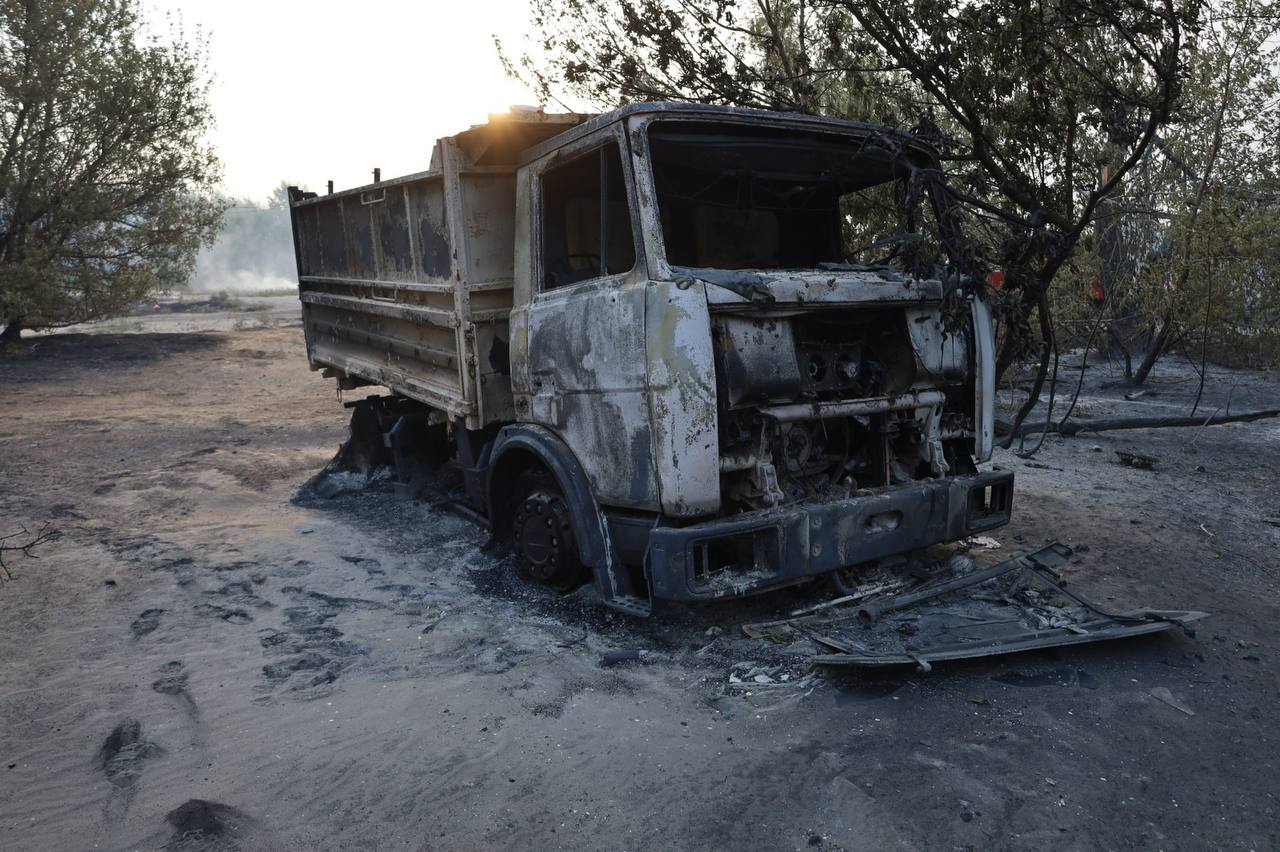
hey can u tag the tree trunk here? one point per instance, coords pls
(12, 332)
(1046, 349)
(1075, 427)
(1159, 346)
(1118, 343)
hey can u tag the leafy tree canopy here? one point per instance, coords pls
(105, 178)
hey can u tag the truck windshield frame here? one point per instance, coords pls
(736, 196)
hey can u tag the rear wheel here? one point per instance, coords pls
(542, 531)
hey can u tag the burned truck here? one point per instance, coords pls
(683, 352)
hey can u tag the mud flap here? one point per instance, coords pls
(1020, 604)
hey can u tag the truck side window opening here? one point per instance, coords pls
(573, 226)
(761, 198)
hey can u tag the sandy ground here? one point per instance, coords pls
(203, 662)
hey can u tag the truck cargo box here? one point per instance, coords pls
(406, 283)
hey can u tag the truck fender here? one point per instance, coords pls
(515, 443)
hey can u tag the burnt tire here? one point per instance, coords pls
(542, 534)
(364, 450)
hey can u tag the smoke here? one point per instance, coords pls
(242, 281)
(253, 252)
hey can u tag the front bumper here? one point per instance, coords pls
(762, 550)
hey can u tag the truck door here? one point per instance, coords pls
(586, 320)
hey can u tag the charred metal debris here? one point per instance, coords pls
(962, 612)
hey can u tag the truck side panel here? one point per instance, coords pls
(407, 284)
(378, 303)
(588, 377)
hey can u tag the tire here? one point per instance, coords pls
(364, 450)
(542, 533)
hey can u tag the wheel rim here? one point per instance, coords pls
(544, 538)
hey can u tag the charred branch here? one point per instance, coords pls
(1075, 427)
(27, 548)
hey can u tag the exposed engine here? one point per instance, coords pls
(819, 405)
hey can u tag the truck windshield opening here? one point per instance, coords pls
(774, 198)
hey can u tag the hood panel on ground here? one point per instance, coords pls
(1021, 604)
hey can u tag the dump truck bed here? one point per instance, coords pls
(406, 282)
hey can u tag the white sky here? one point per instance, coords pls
(320, 90)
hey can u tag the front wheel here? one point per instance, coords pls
(542, 531)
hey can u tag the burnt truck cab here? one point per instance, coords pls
(748, 407)
(736, 351)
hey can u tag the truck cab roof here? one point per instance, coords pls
(524, 134)
(727, 114)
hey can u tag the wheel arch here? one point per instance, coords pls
(520, 448)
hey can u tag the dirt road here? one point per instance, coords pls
(200, 661)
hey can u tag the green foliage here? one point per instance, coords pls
(608, 52)
(105, 180)
(1187, 252)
